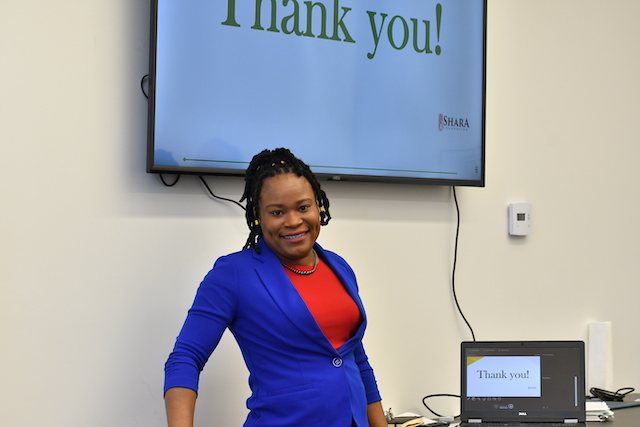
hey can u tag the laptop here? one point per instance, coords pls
(515, 382)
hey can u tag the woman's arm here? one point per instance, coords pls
(375, 414)
(180, 404)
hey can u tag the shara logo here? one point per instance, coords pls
(452, 123)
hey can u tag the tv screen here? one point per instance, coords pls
(377, 90)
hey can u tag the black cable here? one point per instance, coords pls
(165, 182)
(218, 197)
(616, 396)
(455, 298)
(205, 184)
(437, 395)
(455, 260)
(145, 77)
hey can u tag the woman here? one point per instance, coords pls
(293, 308)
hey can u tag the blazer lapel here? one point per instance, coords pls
(349, 283)
(285, 295)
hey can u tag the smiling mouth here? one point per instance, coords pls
(294, 236)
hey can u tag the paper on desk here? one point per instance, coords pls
(408, 414)
(413, 414)
(598, 410)
(425, 420)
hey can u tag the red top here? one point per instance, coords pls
(328, 301)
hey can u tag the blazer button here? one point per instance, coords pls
(337, 362)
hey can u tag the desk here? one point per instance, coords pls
(624, 417)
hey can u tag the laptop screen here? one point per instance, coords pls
(523, 381)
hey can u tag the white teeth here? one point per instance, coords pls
(297, 236)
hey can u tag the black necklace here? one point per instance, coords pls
(304, 272)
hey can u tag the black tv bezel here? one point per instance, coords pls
(151, 167)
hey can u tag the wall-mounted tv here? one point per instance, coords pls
(376, 90)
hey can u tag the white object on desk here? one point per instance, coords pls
(597, 410)
(600, 355)
(423, 420)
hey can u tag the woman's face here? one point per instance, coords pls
(289, 218)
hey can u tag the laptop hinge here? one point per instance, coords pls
(571, 421)
(475, 420)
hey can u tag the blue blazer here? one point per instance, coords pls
(296, 376)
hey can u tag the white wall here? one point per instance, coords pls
(100, 261)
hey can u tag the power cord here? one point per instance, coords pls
(205, 185)
(166, 183)
(606, 395)
(455, 260)
(437, 395)
(144, 79)
(455, 298)
(218, 197)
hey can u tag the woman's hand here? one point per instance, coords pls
(375, 413)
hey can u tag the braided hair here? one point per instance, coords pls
(267, 164)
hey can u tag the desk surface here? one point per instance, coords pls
(624, 417)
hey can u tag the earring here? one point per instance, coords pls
(256, 222)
